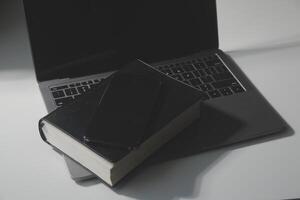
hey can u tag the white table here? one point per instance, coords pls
(262, 36)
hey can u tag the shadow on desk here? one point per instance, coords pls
(171, 180)
(183, 177)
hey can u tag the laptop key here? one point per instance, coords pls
(82, 89)
(225, 83)
(93, 86)
(196, 73)
(188, 75)
(237, 88)
(177, 70)
(199, 66)
(222, 76)
(188, 68)
(63, 101)
(207, 70)
(205, 87)
(201, 72)
(207, 79)
(178, 77)
(71, 91)
(195, 81)
(226, 91)
(59, 88)
(58, 94)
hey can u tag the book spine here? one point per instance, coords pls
(40, 126)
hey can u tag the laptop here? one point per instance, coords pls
(76, 44)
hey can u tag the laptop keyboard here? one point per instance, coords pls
(67, 93)
(207, 74)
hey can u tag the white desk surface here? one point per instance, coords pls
(263, 37)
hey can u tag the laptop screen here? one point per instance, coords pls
(77, 37)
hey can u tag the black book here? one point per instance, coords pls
(115, 127)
